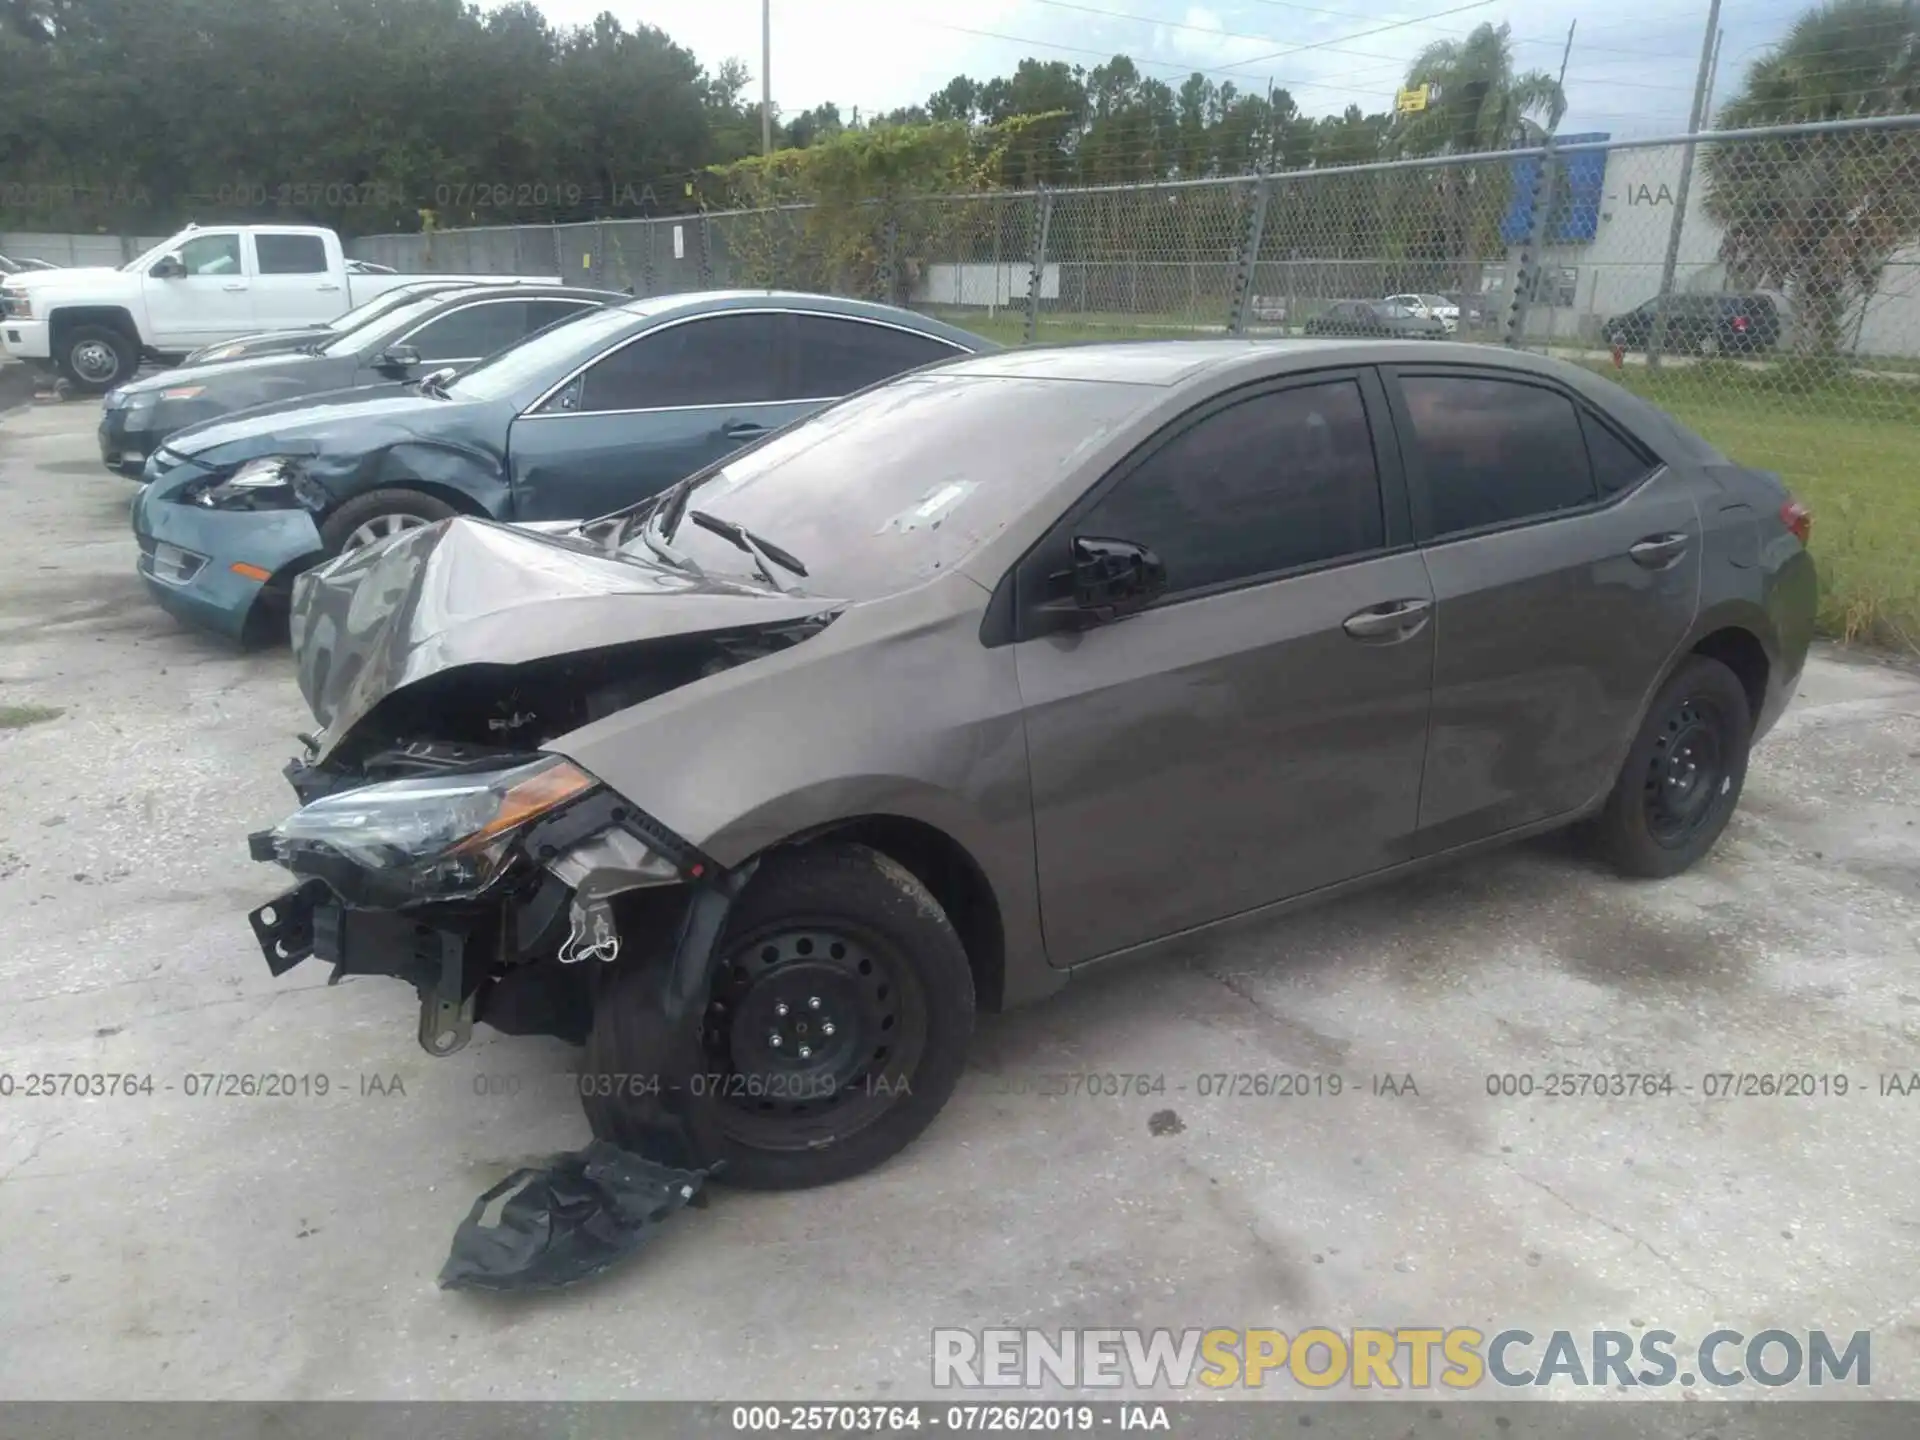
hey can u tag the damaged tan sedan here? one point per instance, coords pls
(999, 669)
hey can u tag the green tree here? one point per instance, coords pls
(1481, 104)
(1819, 216)
(1477, 103)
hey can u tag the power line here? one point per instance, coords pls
(1399, 62)
(1362, 34)
(1280, 81)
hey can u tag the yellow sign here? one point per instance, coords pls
(1409, 102)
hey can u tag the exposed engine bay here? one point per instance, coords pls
(484, 714)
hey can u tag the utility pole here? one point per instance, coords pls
(1709, 46)
(766, 76)
(1561, 83)
(1273, 127)
(1713, 75)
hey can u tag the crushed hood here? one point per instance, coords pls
(474, 592)
(302, 424)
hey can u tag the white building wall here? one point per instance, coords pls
(1620, 267)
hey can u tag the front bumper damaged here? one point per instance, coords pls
(499, 958)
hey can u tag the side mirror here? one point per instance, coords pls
(168, 267)
(396, 359)
(439, 377)
(1109, 579)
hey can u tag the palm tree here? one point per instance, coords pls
(1476, 103)
(1480, 104)
(1818, 216)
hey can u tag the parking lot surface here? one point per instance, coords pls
(185, 1245)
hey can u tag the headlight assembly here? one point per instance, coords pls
(438, 837)
(273, 482)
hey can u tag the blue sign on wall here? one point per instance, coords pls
(1573, 213)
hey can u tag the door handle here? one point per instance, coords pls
(1657, 552)
(233, 287)
(742, 429)
(1391, 620)
(328, 286)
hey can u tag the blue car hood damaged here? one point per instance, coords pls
(302, 424)
(474, 592)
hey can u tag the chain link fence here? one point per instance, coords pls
(1763, 286)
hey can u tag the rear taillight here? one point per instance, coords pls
(1797, 518)
(1740, 323)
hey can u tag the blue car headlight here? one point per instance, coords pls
(272, 482)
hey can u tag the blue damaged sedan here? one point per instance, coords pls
(581, 419)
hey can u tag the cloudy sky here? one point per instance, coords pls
(1631, 71)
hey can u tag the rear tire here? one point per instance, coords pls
(95, 358)
(832, 947)
(1683, 774)
(377, 513)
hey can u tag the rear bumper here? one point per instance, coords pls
(188, 555)
(1793, 600)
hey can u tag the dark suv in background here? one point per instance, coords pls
(1702, 324)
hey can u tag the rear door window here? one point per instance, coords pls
(1495, 451)
(1618, 466)
(542, 313)
(290, 254)
(833, 356)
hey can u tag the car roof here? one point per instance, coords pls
(703, 301)
(559, 292)
(1209, 365)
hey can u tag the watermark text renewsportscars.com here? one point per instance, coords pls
(1397, 1358)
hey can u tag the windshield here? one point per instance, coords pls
(1435, 300)
(381, 304)
(412, 309)
(501, 374)
(1397, 312)
(898, 483)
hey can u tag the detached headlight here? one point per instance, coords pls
(273, 482)
(124, 399)
(435, 837)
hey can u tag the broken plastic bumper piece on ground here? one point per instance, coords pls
(568, 1222)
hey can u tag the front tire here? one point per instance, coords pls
(1683, 774)
(95, 358)
(838, 1018)
(377, 514)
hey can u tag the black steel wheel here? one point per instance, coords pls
(836, 1024)
(810, 1029)
(1683, 774)
(1686, 773)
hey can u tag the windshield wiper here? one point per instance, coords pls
(668, 555)
(762, 551)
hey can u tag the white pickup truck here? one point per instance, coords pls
(204, 285)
